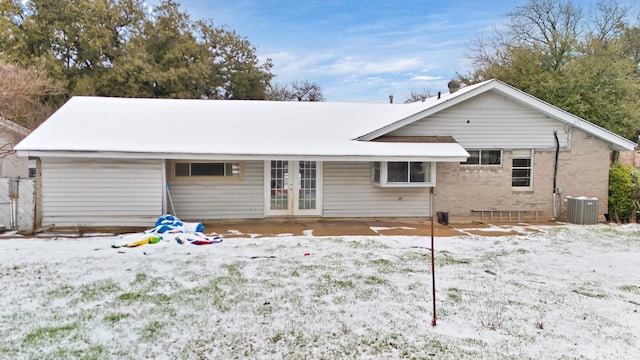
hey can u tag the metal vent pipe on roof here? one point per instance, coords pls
(453, 85)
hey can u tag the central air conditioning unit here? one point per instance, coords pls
(582, 210)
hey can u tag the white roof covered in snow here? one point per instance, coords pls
(233, 129)
(223, 129)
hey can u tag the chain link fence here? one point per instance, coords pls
(17, 203)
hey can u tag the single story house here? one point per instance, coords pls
(486, 149)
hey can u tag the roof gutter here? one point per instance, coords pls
(244, 157)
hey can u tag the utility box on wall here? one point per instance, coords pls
(582, 210)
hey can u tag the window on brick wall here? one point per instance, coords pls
(484, 157)
(521, 168)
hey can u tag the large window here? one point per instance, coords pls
(207, 169)
(403, 173)
(484, 157)
(521, 168)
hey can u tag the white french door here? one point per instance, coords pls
(293, 187)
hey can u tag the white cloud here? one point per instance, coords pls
(375, 80)
(426, 78)
(350, 65)
(291, 67)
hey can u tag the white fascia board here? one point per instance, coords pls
(168, 156)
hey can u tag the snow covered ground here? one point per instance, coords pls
(564, 292)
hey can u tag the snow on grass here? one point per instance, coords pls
(565, 291)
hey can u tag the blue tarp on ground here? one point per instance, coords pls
(170, 228)
(169, 223)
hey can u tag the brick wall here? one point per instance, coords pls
(485, 193)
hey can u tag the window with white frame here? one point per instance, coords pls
(521, 169)
(484, 157)
(403, 173)
(207, 169)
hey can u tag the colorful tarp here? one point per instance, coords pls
(169, 228)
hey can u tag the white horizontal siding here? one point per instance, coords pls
(348, 192)
(221, 199)
(490, 120)
(101, 192)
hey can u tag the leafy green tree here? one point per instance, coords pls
(74, 41)
(624, 192)
(585, 65)
(162, 60)
(117, 48)
(235, 65)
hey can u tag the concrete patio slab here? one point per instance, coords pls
(314, 227)
(331, 227)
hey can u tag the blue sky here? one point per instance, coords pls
(359, 50)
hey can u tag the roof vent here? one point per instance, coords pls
(454, 85)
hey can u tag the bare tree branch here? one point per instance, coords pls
(27, 97)
(298, 91)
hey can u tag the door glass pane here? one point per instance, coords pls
(279, 191)
(307, 197)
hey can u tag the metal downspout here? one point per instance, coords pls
(555, 175)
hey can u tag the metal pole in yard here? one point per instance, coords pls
(433, 267)
(173, 209)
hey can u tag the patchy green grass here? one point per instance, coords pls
(113, 318)
(444, 258)
(591, 289)
(48, 334)
(153, 330)
(98, 290)
(633, 289)
(454, 295)
(353, 297)
(375, 280)
(61, 291)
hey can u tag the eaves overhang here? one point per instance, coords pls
(457, 157)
